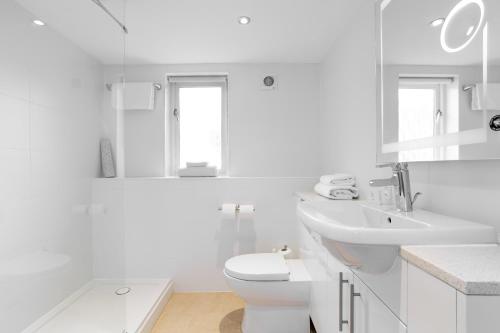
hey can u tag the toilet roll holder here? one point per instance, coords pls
(237, 208)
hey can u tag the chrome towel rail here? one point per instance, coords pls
(157, 86)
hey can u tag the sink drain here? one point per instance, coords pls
(122, 291)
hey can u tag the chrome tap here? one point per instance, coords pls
(401, 181)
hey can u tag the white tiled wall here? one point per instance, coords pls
(49, 130)
(157, 228)
(167, 227)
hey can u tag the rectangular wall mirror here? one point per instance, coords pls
(438, 80)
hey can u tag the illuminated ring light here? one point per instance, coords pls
(461, 5)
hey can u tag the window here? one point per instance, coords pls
(198, 106)
(425, 110)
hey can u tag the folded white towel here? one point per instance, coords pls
(337, 192)
(133, 96)
(196, 164)
(198, 172)
(342, 179)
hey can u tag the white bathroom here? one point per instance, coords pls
(249, 166)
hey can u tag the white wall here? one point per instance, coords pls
(158, 228)
(468, 190)
(171, 227)
(49, 126)
(271, 133)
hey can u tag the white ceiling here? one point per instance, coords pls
(200, 31)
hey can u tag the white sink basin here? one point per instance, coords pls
(368, 238)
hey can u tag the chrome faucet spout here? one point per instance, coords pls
(383, 182)
(401, 181)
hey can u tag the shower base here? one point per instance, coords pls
(108, 306)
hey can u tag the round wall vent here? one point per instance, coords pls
(269, 82)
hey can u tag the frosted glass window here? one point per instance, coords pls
(417, 114)
(200, 125)
(417, 109)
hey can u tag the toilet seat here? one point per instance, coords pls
(258, 267)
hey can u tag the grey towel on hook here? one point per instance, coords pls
(107, 163)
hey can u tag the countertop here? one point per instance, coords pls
(471, 269)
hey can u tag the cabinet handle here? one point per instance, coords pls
(353, 294)
(342, 281)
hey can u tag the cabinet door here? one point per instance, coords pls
(338, 295)
(370, 314)
(327, 291)
(432, 304)
(478, 314)
(315, 260)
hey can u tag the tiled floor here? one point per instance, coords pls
(201, 313)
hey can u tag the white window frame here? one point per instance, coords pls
(175, 82)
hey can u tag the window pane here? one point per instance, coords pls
(416, 120)
(200, 125)
(416, 113)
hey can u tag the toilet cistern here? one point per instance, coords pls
(401, 181)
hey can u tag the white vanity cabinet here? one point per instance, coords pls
(332, 295)
(391, 288)
(340, 278)
(436, 307)
(478, 314)
(370, 314)
(329, 299)
(431, 304)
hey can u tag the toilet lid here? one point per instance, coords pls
(258, 267)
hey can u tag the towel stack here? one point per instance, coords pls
(340, 186)
(198, 169)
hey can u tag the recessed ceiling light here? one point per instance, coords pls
(437, 22)
(244, 20)
(39, 23)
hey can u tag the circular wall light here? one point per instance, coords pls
(244, 20)
(454, 12)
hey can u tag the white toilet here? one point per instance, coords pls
(275, 291)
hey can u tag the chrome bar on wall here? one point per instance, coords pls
(469, 87)
(106, 10)
(157, 86)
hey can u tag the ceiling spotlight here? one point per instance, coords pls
(437, 22)
(38, 23)
(244, 20)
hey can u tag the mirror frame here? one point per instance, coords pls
(385, 152)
